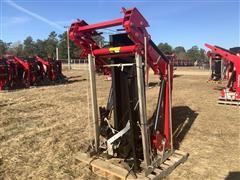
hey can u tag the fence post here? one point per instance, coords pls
(94, 101)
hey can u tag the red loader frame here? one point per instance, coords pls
(135, 26)
(15, 73)
(232, 92)
(141, 44)
(32, 71)
(4, 73)
(28, 77)
(53, 69)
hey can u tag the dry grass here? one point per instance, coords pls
(42, 129)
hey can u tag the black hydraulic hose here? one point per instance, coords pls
(160, 99)
(231, 79)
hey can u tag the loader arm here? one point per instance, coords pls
(226, 55)
(134, 25)
(44, 62)
(24, 64)
(235, 59)
(232, 57)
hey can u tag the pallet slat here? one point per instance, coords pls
(178, 152)
(106, 168)
(164, 166)
(177, 158)
(222, 101)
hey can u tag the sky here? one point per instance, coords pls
(177, 22)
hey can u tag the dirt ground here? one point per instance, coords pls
(43, 128)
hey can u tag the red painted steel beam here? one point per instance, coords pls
(115, 50)
(101, 25)
(22, 62)
(226, 55)
(122, 55)
(46, 63)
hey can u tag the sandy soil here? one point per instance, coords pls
(43, 128)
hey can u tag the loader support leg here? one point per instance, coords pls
(170, 105)
(166, 113)
(142, 110)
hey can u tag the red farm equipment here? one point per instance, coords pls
(219, 67)
(32, 70)
(17, 73)
(8, 73)
(231, 94)
(3, 73)
(52, 69)
(143, 145)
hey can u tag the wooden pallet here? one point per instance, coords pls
(177, 158)
(114, 170)
(228, 102)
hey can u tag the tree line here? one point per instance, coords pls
(194, 53)
(47, 48)
(44, 48)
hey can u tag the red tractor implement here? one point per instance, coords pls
(31, 71)
(52, 69)
(18, 73)
(143, 145)
(37, 70)
(231, 94)
(4, 74)
(14, 73)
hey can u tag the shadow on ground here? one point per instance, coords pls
(72, 77)
(75, 80)
(183, 118)
(153, 84)
(233, 175)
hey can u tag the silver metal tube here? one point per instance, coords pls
(68, 49)
(57, 53)
(142, 109)
(222, 69)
